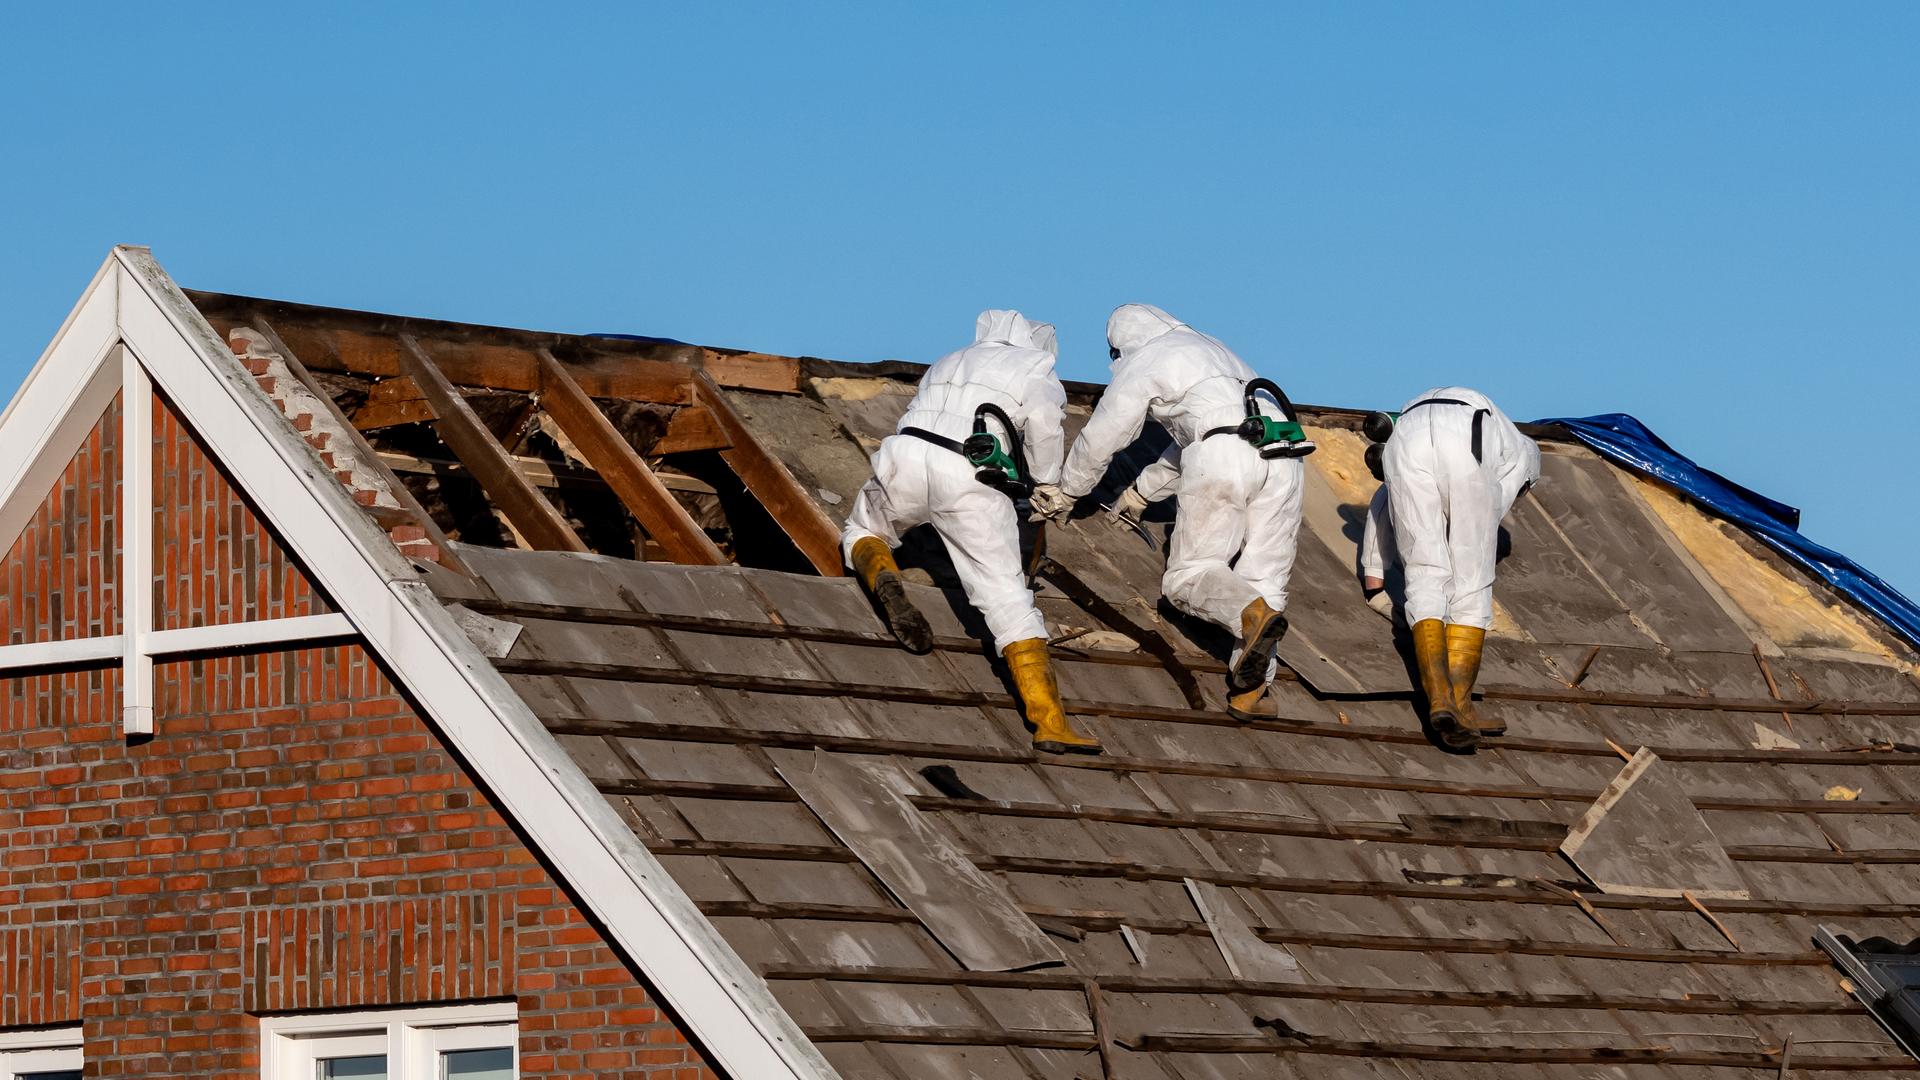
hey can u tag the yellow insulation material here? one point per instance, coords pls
(1785, 608)
(861, 389)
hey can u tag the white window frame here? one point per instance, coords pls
(411, 1039)
(39, 1050)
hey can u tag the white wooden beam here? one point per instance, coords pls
(294, 630)
(136, 544)
(226, 637)
(57, 406)
(80, 652)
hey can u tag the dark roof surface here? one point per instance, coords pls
(1322, 893)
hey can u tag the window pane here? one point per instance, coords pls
(494, 1064)
(57, 1074)
(373, 1067)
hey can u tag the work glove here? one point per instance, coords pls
(1382, 604)
(1050, 503)
(1130, 505)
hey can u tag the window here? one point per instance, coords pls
(40, 1054)
(468, 1042)
(1886, 979)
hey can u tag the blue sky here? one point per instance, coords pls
(1702, 214)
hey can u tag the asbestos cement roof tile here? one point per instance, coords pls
(1409, 901)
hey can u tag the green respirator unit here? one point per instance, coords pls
(1273, 438)
(1003, 469)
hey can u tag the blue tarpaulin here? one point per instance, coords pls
(1626, 441)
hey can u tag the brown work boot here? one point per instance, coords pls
(1464, 644)
(1430, 655)
(1040, 693)
(1245, 705)
(1261, 629)
(873, 564)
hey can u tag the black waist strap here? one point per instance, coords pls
(940, 441)
(1479, 417)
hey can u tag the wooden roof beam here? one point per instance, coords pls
(480, 365)
(604, 448)
(810, 529)
(532, 516)
(738, 368)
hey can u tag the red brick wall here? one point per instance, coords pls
(293, 837)
(59, 579)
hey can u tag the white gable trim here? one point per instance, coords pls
(717, 997)
(58, 405)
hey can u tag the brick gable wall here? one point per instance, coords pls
(293, 837)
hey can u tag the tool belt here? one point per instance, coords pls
(1003, 470)
(1272, 438)
(1479, 419)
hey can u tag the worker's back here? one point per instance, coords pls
(1007, 365)
(1197, 383)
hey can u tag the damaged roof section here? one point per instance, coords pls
(548, 442)
(1318, 893)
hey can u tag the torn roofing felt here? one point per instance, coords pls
(1317, 893)
(1624, 439)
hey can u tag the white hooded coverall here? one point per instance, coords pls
(1377, 543)
(1447, 507)
(1010, 364)
(1233, 502)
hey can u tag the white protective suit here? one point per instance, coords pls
(1377, 543)
(1447, 506)
(1233, 502)
(1009, 364)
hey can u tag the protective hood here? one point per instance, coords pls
(1013, 328)
(1133, 325)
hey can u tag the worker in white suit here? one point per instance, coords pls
(1235, 465)
(999, 394)
(1454, 465)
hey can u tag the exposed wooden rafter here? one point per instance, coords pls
(536, 520)
(417, 371)
(604, 448)
(364, 343)
(483, 365)
(766, 476)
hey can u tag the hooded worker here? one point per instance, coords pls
(1003, 386)
(1454, 465)
(1233, 543)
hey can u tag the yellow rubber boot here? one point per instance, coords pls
(1430, 655)
(873, 564)
(1040, 693)
(1261, 629)
(1464, 644)
(1245, 705)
